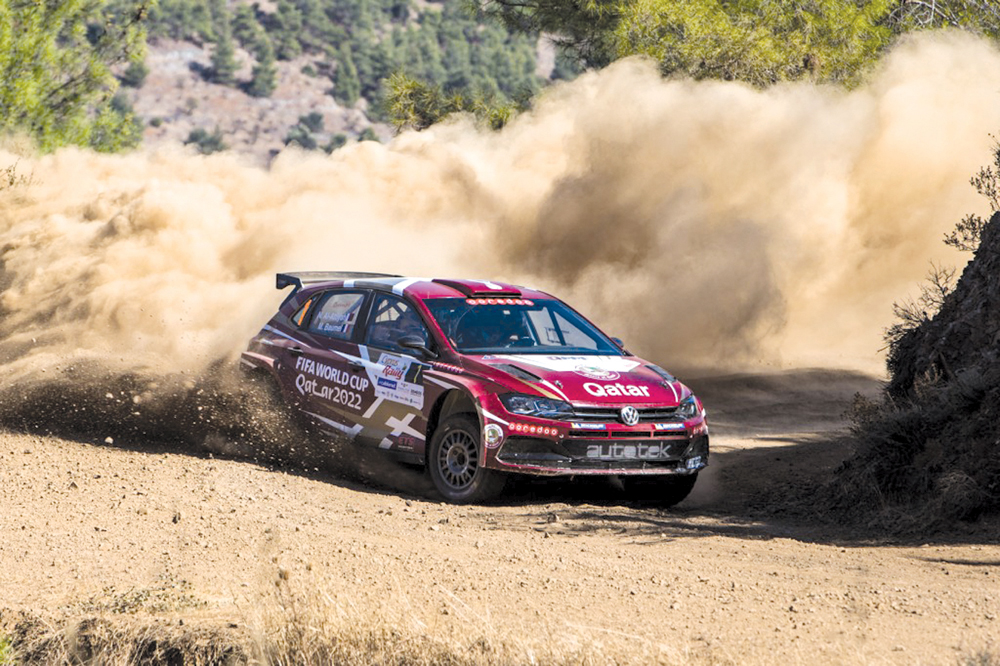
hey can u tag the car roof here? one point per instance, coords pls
(415, 287)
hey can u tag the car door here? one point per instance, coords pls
(324, 371)
(396, 419)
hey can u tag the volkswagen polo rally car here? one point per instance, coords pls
(476, 380)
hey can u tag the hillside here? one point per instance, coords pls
(247, 77)
(927, 453)
(175, 99)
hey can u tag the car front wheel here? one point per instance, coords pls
(455, 463)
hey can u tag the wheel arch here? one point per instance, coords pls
(452, 401)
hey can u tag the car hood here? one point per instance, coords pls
(620, 380)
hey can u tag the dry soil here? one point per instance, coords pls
(730, 575)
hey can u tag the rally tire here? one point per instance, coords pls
(661, 491)
(454, 461)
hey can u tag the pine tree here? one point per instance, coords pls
(265, 72)
(346, 84)
(56, 83)
(224, 54)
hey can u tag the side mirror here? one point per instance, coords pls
(621, 345)
(416, 343)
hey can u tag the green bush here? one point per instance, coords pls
(135, 74)
(299, 135)
(207, 143)
(56, 83)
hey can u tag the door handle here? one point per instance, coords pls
(295, 351)
(355, 366)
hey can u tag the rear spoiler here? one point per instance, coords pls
(299, 280)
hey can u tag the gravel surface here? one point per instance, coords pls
(725, 576)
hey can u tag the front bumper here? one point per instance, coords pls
(631, 455)
(593, 444)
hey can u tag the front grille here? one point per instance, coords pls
(646, 414)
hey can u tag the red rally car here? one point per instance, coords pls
(477, 379)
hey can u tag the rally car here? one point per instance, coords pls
(476, 380)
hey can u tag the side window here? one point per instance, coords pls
(300, 316)
(337, 315)
(391, 319)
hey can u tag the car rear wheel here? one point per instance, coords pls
(454, 461)
(662, 491)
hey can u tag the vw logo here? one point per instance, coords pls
(630, 415)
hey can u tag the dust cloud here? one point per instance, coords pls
(708, 224)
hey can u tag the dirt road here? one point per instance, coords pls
(730, 575)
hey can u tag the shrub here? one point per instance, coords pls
(207, 143)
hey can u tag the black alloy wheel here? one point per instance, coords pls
(454, 462)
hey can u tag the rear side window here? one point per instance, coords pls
(337, 315)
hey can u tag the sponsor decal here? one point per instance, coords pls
(406, 442)
(668, 426)
(603, 366)
(654, 451)
(534, 430)
(446, 367)
(694, 463)
(398, 379)
(618, 389)
(335, 394)
(393, 367)
(331, 374)
(499, 301)
(589, 426)
(596, 373)
(493, 434)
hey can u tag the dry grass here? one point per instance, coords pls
(299, 624)
(925, 463)
(983, 657)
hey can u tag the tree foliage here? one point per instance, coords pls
(757, 41)
(968, 232)
(56, 60)
(224, 63)
(981, 16)
(206, 142)
(265, 72)
(417, 105)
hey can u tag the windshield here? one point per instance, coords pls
(503, 325)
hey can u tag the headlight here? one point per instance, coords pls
(530, 405)
(688, 409)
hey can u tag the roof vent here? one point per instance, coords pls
(470, 288)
